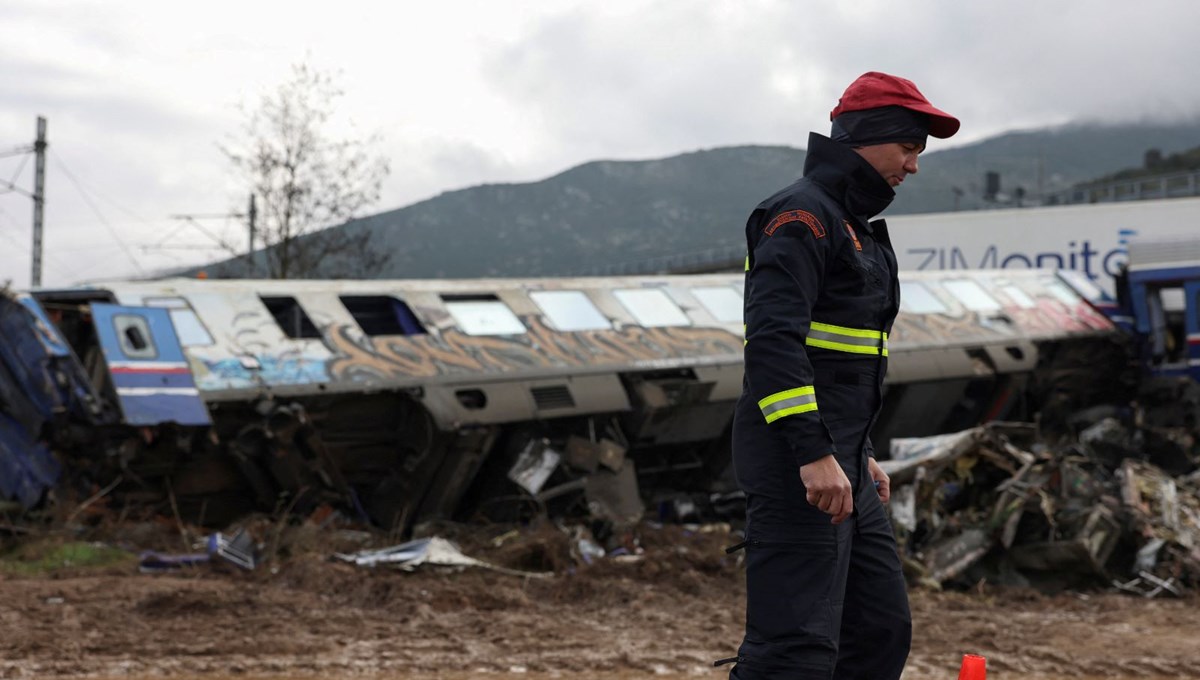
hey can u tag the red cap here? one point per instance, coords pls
(873, 90)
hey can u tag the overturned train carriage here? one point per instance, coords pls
(402, 401)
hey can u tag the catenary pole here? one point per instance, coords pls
(39, 200)
(252, 213)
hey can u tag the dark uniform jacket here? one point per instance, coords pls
(821, 294)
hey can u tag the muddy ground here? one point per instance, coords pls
(668, 612)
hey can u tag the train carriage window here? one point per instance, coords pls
(1083, 284)
(651, 307)
(382, 315)
(291, 317)
(483, 315)
(133, 334)
(916, 298)
(569, 310)
(1064, 294)
(972, 295)
(1019, 297)
(188, 327)
(723, 302)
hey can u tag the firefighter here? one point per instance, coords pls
(825, 594)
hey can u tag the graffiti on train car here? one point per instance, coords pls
(290, 367)
(1052, 316)
(940, 329)
(1041, 315)
(452, 352)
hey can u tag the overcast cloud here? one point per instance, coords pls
(139, 93)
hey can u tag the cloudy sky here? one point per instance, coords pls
(139, 93)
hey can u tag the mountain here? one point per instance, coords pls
(607, 213)
(1041, 162)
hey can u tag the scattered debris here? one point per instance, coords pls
(152, 562)
(240, 550)
(998, 503)
(534, 466)
(433, 551)
(1148, 585)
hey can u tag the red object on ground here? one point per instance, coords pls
(974, 667)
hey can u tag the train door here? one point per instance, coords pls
(1162, 312)
(153, 381)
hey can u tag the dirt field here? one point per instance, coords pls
(667, 614)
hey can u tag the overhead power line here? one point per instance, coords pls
(18, 151)
(99, 216)
(11, 185)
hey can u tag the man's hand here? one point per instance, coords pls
(828, 488)
(883, 483)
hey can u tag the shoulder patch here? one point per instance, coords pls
(804, 216)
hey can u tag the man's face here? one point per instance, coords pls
(895, 160)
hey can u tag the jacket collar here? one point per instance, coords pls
(847, 176)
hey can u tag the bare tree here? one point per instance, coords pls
(308, 182)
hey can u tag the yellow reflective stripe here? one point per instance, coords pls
(841, 346)
(844, 339)
(745, 340)
(791, 412)
(747, 263)
(843, 330)
(788, 402)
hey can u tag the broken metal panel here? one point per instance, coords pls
(952, 556)
(1148, 585)
(1088, 550)
(464, 457)
(614, 496)
(408, 556)
(43, 374)
(903, 507)
(147, 367)
(911, 454)
(726, 380)
(238, 549)
(588, 456)
(670, 407)
(41, 393)
(27, 467)
(534, 466)
(433, 551)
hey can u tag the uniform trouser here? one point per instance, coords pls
(823, 601)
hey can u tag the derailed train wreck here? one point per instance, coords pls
(401, 401)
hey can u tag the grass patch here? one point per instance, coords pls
(39, 558)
